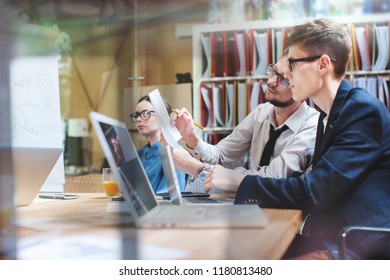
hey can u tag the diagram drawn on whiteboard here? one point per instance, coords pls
(17, 121)
(32, 112)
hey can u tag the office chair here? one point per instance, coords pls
(347, 232)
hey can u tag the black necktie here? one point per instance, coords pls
(269, 147)
(320, 134)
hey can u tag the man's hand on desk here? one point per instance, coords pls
(223, 178)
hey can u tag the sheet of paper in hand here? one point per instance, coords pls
(170, 132)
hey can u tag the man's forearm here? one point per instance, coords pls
(186, 163)
(192, 141)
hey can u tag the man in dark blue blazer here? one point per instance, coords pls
(349, 183)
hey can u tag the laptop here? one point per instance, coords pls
(175, 195)
(139, 196)
(27, 169)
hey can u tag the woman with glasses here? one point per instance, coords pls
(146, 120)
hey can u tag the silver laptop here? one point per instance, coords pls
(175, 195)
(27, 170)
(142, 202)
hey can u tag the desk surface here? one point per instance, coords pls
(64, 222)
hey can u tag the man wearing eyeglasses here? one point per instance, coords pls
(289, 155)
(349, 181)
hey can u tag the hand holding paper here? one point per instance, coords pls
(184, 123)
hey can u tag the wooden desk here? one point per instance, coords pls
(87, 215)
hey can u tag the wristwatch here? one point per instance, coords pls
(205, 169)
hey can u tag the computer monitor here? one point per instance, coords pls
(27, 169)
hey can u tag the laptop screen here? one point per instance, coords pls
(170, 175)
(122, 155)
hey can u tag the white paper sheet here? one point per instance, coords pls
(170, 132)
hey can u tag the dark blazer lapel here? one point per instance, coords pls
(338, 104)
(328, 132)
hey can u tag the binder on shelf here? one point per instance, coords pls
(228, 54)
(236, 102)
(231, 100)
(360, 82)
(242, 96)
(270, 52)
(272, 46)
(257, 94)
(374, 47)
(262, 52)
(280, 39)
(371, 86)
(219, 104)
(385, 85)
(381, 91)
(362, 46)
(206, 106)
(216, 54)
(213, 105)
(355, 51)
(370, 39)
(240, 54)
(382, 43)
(206, 55)
(251, 51)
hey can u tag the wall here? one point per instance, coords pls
(99, 70)
(165, 55)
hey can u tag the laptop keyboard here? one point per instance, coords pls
(201, 200)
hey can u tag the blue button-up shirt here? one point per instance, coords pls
(150, 158)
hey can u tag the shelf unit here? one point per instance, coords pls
(261, 26)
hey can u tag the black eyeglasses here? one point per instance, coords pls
(293, 61)
(271, 72)
(145, 115)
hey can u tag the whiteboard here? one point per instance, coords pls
(34, 103)
(34, 110)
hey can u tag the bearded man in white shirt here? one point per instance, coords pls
(293, 150)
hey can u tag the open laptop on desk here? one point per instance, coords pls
(142, 202)
(173, 184)
(29, 168)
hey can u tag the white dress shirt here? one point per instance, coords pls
(293, 150)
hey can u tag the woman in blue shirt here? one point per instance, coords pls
(147, 125)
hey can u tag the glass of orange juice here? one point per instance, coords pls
(110, 185)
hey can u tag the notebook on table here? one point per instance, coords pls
(142, 202)
(29, 168)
